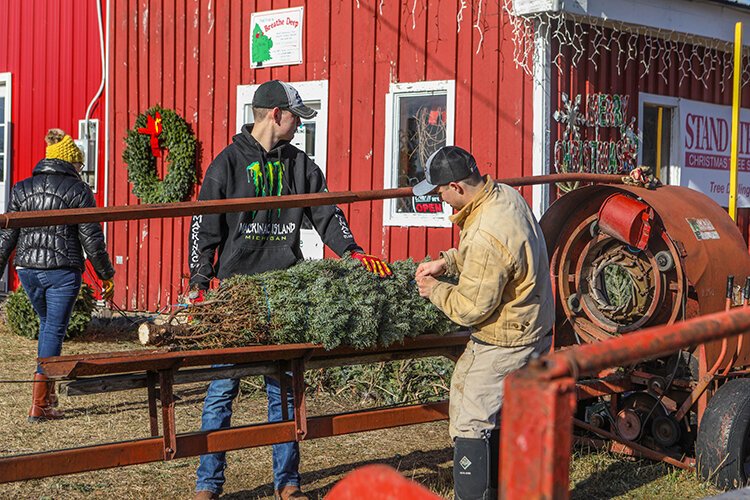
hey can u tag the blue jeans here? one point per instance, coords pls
(217, 414)
(52, 293)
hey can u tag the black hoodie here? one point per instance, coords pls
(255, 242)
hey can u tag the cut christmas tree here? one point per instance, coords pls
(328, 302)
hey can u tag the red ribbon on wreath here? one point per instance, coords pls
(153, 128)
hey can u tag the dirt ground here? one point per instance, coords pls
(421, 452)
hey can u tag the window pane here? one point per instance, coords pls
(248, 115)
(2, 153)
(650, 133)
(304, 139)
(666, 136)
(421, 131)
(2, 108)
(309, 129)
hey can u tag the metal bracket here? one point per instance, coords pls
(284, 385)
(166, 379)
(153, 417)
(300, 408)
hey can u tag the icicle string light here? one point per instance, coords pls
(576, 37)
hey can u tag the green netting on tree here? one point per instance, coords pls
(23, 321)
(328, 302)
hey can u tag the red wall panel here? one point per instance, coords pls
(192, 54)
(52, 50)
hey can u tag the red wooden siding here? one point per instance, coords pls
(192, 54)
(51, 49)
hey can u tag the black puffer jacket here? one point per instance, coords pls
(54, 184)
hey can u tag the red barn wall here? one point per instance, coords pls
(51, 49)
(191, 55)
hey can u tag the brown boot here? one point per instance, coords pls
(206, 495)
(289, 492)
(40, 407)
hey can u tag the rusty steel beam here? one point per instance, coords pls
(105, 456)
(536, 436)
(646, 344)
(613, 384)
(82, 365)
(161, 366)
(162, 210)
(642, 450)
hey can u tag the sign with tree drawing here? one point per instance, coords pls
(276, 37)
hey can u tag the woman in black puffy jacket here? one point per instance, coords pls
(50, 259)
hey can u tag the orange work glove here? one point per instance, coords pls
(373, 264)
(108, 289)
(195, 296)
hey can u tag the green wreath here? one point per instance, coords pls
(179, 141)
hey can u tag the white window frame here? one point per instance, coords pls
(90, 151)
(6, 80)
(674, 141)
(392, 101)
(313, 90)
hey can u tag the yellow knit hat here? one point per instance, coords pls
(65, 150)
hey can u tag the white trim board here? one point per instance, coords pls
(390, 216)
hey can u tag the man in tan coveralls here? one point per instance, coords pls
(503, 294)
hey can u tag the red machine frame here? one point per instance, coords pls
(537, 439)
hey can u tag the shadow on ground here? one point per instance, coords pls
(619, 478)
(425, 467)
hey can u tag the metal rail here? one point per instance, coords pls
(536, 438)
(160, 368)
(156, 211)
(152, 369)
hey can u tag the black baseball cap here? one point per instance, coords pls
(447, 164)
(278, 94)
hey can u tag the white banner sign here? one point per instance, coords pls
(705, 142)
(276, 37)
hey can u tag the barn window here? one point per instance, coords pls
(659, 125)
(419, 119)
(88, 141)
(657, 139)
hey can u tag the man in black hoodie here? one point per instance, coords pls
(261, 162)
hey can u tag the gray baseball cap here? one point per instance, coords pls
(447, 164)
(278, 94)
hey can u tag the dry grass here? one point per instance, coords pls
(599, 475)
(421, 452)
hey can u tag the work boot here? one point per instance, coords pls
(289, 492)
(206, 495)
(471, 469)
(40, 406)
